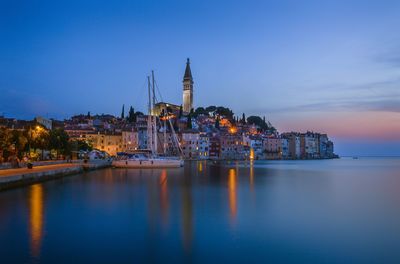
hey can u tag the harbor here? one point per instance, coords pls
(17, 177)
(199, 132)
(280, 211)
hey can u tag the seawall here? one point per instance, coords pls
(20, 177)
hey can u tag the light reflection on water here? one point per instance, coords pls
(331, 211)
(164, 197)
(232, 193)
(36, 218)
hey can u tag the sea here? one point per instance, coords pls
(307, 211)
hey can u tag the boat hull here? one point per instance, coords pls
(148, 163)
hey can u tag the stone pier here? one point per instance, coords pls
(10, 178)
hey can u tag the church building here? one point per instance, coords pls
(187, 104)
(187, 89)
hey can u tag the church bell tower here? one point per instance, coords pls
(187, 88)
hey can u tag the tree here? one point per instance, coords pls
(180, 111)
(233, 121)
(123, 112)
(211, 108)
(19, 141)
(81, 145)
(41, 139)
(5, 142)
(217, 122)
(258, 121)
(131, 115)
(59, 141)
(225, 112)
(200, 111)
(189, 121)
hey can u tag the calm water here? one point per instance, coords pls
(330, 211)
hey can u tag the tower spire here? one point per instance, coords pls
(187, 88)
(188, 72)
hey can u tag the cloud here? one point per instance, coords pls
(390, 58)
(381, 96)
(340, 106)
(390, 103)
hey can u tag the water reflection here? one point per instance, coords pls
(211, 216)
(232, 182)
(187, 215)
(36, 218)
(164, 201)
(152, 192)
(252, 176)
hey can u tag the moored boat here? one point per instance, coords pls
(150, 158)
(144, 159)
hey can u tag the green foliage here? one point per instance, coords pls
(217, 123)
(220, 110)
(224, 111)
(37, 137)
(19, 140)
(5, 142)
(200, 111)
(59, 141)
(211, 108)
(189, 121)
(79, 145)
(131, 115)
(5, 138)
(261, 123)
(180, 111)
(123, 112)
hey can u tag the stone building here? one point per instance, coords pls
(130, 140)
(108, 143)
(190, 144)
(272, 148)
(187, 89)
(231, 146)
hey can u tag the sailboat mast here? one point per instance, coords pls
(155, 117)
(149, 125)
(165, 134)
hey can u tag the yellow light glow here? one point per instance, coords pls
(164, 202)
(251, 153)
(233, 130)
(232, 193)
(36, 218)
(251, 176)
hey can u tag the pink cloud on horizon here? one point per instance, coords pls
(360, 125)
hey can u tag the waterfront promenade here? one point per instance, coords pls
(22, 176)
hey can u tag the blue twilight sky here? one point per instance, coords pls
(328, 66)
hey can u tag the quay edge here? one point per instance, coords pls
(30, 177)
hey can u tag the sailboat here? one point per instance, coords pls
(149, 158)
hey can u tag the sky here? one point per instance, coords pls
(326, 66)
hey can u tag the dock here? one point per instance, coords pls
(10, 178)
